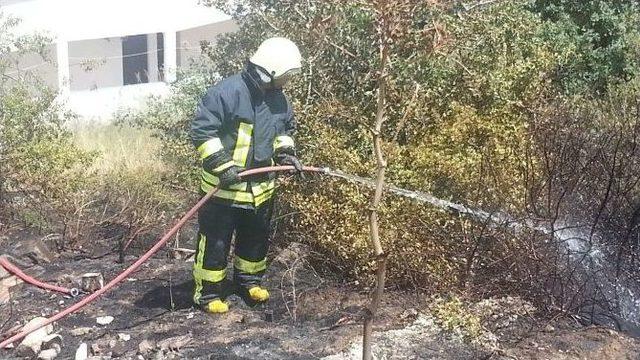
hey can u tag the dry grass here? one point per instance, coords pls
(120, 148)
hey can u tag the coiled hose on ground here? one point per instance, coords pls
(5, 263)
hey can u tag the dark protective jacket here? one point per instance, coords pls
(239, 123)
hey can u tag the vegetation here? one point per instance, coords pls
(39, 164)
(73, 185)
(507, 106)
(523, 107)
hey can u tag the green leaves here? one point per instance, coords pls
(472, 92)
(603, 36)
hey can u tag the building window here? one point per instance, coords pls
(135, 64)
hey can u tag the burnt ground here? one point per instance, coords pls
(154, 318)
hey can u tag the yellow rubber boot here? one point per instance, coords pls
(217, 306)
(258, 294)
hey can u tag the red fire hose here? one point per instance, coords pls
(133, 267)
(5, 263)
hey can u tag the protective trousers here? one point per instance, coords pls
(218, 222)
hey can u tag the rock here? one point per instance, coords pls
(83, 352)
(81, 331)
(119, 350)
(91, 282)
(4, 273)
(104, 320)
(124, 337)
(421, 334)
(175, 343)
(48, 354)
(26, 352)
(146, 346)
(35, 339)
(5, 286)
(37, 251)
(549, 328)
(239, 318)
(52, 341)
(95, 349)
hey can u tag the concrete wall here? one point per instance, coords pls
(189, 40)
(152, 57)
(95, 63)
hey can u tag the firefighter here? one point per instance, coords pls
(244, 121)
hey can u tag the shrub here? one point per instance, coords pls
(53, 180)
(168, 119)
(480, 111)
(40, 166)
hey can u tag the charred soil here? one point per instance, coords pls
(309, 316)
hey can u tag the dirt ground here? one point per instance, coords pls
(154, 318)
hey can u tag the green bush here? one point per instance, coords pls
(36, 155)
(472, 101)
(601, 39)
(42, 172)
(462, 136)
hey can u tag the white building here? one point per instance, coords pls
(108, 54)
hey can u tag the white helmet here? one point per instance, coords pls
(279, 57)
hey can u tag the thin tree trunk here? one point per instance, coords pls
(381, 258)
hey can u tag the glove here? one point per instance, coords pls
(288, 159)
(230, 176)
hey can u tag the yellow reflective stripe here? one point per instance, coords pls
(238, 196)
(260, 191)
(210, 178)
(250, 267)
(263, 191)
(243, 143)
(210, 147)
(224, 166)
(259, 199)
(200, 274)
(202, 245)
(197, 293)
(259, 188)
(213, 180)
(206, 187)
(282, 141)
(209, 275)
